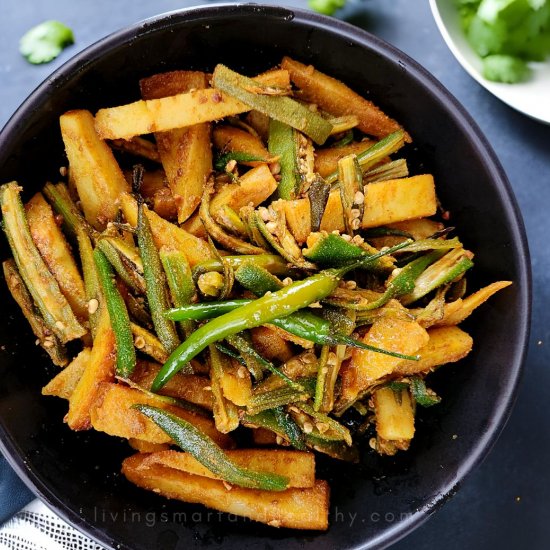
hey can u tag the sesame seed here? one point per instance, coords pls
(241, 372)
(308, 427)
(59, 325)
(352, 285)
(322, 427)
(355, 213)
(359, 198)
(139, 342)
(356, 223)
(309, 358)
(346, 237)
(93, 304)
(287, 281)
(271, 227)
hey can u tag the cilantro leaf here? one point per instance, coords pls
(45, 42)
(505, 68)
(327, 7)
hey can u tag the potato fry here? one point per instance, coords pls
(100, 368)
(297, 466)
(446, 345)
(55, 252)
(168, 113)
(365, 367)
(63, 384)
(185, 153)
(254, 187)
(112, 413)
(188, 387)
(394, 414)
(261, 436)
(326, 160)
(230, 139)
(293, 508)
(94, 170)
(166, 233)
(336, 98)
(146, 446)
(454, 315)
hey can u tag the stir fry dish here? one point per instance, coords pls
(228, 267)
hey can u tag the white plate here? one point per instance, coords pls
(531, 98)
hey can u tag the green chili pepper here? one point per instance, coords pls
(118, 315)
(259, 312)
(303, 324)
(281, 108)
(271, 262)
(291, 430)
(421, 394)
(375, 153)
(180, 281)
(201, 447)
(155, 280)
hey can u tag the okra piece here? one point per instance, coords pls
(318, 193)
(219, 234)
(321, 378)
(148, 343)
(221, 161)
(124, 267)
(250, 355)
(443, 271)
(226, 414)
(90, 276)
(335, 449)
(281, 108)
(41, 284)
(257, 279)
(390, 171)
(284, 142)
(289, 299)
(291, 430)
(374, 154)
(324, 423)
(271, 262)
(153, 274)
(350, 177)
(63, 204)
(330, 250)
(281, 239)
(285, 395)
(404, 282)
(21, 295)
(180, 282)
(118, 315)
(202, 448)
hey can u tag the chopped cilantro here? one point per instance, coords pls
(508, 33)
(45, 42)
(505, 68)
(327, 7)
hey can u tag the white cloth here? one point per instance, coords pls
(36, 527)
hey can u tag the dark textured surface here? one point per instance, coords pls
(503, 503)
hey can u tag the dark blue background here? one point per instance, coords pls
(504, 503)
